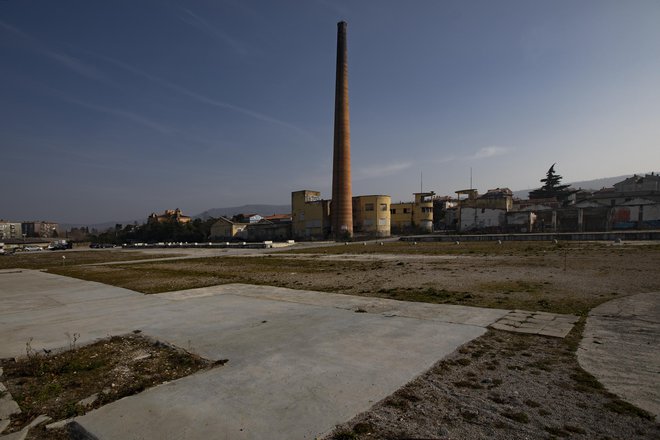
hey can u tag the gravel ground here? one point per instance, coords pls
(503, 386)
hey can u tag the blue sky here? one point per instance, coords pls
(111, 110)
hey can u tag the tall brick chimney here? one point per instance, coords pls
(342, 201)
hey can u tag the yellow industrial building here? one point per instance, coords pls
(413, 216)
(310, 215)
(371, 215)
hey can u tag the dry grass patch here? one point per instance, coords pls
(52, 259)
(55, 384)
(594, 274)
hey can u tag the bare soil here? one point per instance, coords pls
(566, 278)
(503, 386)
(55, 384)
(500, 386)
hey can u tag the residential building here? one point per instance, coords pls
(169, 216)
(225, 229)
(636, 187)
(310, 215)
(40, 229)
(371, 215)
(485, 212)
(10, 230)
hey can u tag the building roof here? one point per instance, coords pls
(638, 201)
(278, 217)
(497, 193)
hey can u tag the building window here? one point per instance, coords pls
(369, 207)
(406, 210)
(383, 206)
(393, 211)
(427, 210)
(382, 222)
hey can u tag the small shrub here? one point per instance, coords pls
(362, 428)
(574, 429)
(468, 384)
(532, 404)
(519, 417)
(585, 382)
(622, 407)
(344, 435)
(557, 432)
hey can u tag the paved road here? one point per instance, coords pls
(299, 362)
(620, 348)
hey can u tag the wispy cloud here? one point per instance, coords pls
(69, 62)
(483, 153)
(194, 20)
(490, 151)
(78, 66)
(381, 170)
(125, 114)
(205, 99)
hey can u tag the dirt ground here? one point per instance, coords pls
(500, 386)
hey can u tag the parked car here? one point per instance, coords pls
(102, 245)
(32, 248)
(60, 245)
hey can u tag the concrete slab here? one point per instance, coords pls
(537, 323)
(18, 435)
(620, 348)
(299, 361)
(436, 312)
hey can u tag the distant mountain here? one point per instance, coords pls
(591, 185)
(263, 210)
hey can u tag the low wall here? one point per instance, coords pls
(565, 236)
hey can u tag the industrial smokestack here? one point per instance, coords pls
(342, 201)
